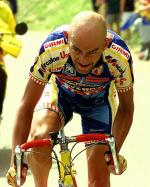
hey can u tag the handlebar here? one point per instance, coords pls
(63, 141)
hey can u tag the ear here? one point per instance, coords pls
(66, 36)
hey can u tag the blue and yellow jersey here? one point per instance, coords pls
(54, 65)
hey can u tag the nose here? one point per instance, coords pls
(83, 59)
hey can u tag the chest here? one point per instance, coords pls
(99, 75)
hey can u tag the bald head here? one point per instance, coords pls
(88, 26)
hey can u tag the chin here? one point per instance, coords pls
(83, 72)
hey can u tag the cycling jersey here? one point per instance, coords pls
(90, 94)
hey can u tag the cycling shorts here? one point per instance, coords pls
(96, 115)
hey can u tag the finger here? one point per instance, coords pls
(23, 175)
(122, 164)
(11, 177)
(107, 158)
(24, 172)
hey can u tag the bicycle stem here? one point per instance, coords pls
(63, 142)
(112, 145)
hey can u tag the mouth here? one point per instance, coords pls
(84, 65)
(83, 69)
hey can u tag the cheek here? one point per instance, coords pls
(96, 58)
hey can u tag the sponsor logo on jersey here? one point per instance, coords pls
(121, 81)
(69, 69)
(114, 63)
(54, 43)
(68, 78)
(64, 55)
(97, 80)
(78, 88)
(119, 49)
(59, 69)
(83, 90)
(98, 70)
(47, 63)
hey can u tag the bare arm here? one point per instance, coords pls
(124, 117)
(24, 115)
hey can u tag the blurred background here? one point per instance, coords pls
(41, 18)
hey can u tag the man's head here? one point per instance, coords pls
(87, 33)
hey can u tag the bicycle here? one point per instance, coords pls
(65, 164)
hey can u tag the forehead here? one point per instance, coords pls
(85, 43)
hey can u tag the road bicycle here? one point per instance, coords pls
(65, 162)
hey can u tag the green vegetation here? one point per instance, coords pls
(48, 14)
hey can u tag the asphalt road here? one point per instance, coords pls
(135, 149)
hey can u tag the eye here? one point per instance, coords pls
(75, 49)
(93, 52)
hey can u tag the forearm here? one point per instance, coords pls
(21, 128)
(121, 126)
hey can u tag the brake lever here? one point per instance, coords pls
(18, 160)
(112, 145)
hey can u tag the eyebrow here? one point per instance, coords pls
(93, 50)
(75, 47)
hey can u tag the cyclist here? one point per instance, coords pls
(127, 9)
(81, 65)
(112, 9)
(7, 24)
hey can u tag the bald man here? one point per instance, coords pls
(77, 70)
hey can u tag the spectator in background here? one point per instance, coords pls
(13, 6)
(96, 4)
(113, 15)
(127, 8)
(95, 7)
(7, 25)
(142, 25)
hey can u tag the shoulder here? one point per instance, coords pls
(56, 39)
(115, 46)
